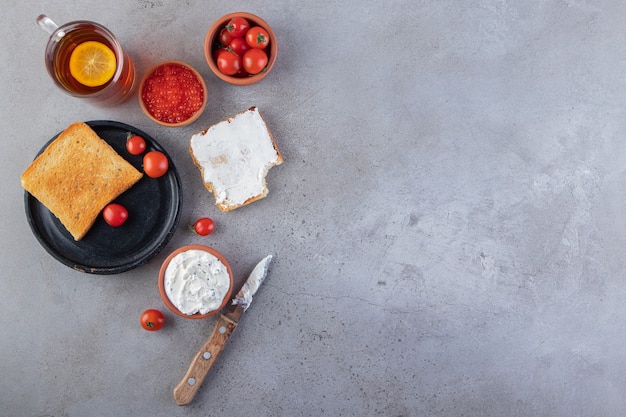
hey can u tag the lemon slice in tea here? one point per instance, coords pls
(92, 63)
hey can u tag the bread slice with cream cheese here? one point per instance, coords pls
(77, 175)
(234, 157)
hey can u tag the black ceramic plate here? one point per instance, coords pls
(153, 206)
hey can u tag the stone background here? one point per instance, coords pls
(447, 228)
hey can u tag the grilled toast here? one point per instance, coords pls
(77, 175)
(234, 157)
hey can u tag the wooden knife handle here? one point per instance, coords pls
(204, 360)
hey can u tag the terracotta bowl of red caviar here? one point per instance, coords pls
(172, 94)
(161, 281)
(212, 44)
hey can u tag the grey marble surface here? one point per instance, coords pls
(447, 228)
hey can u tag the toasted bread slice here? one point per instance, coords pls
(234, 157)
(77, 175)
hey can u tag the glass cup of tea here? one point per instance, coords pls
(86, 60)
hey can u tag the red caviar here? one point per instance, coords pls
(172, 93)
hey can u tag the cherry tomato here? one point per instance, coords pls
(225, 37)
(254, 61)
(239, 46)
(238, 26)
(152, 320)
(228, 62)
(216, 53)
(257, 37)
(242, 73)
(135, 145)
(155, 164)
(204, 226)
(115, 214)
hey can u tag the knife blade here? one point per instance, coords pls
(226, 323)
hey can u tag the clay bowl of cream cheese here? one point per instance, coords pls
(195, 281)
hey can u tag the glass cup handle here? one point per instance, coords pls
(49, 26)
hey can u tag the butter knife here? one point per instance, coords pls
(226, 323)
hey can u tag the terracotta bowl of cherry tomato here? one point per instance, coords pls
(240, 48)
(161, 281)
(172, 94)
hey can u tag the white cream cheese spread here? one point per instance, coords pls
(235, 155)
(196, 281)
